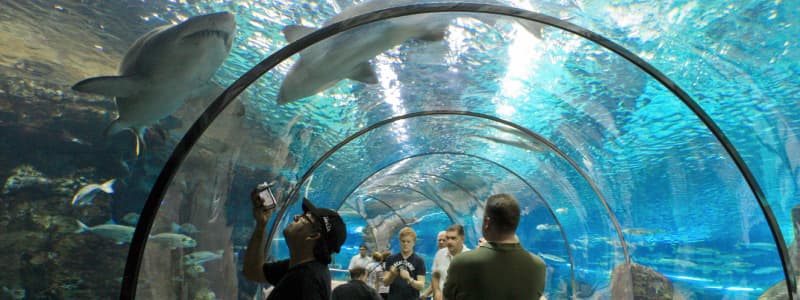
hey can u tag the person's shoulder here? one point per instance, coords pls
(537, 260)
(393, 258)
(440, 253)
(417, 257)
(467, 257)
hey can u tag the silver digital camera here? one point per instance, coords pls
(265, 195)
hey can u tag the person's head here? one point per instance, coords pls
(455, 238)
(377, 256)
(358, 273)
(362, 250)
(500, 217)
(441, 240)
(385, 254)
(408, 238)
(320, 230)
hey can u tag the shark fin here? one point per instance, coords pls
(295, 32)
(364, 72)
(534, 28)
(112, 86)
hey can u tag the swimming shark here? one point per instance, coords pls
(164, 68)
(347, 54)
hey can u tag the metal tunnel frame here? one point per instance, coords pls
(415, 191)
(547, 143)
(535, 191)
(397, 174)
(181, 151)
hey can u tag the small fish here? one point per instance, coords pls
(131, 218)
(641, 231)
(186, 228)
(676, 262)
(119, 233)
(552, 257)
(546, 227)
(758, 246)
(173, 240)
(562, 210)
(87, 193)
(195, 270)
(205, 294)
(524, 145)
(767, 270)
(200, 257)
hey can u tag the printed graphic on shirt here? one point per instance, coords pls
(404, 265)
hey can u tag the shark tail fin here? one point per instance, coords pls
(108, 186)
(81, 227)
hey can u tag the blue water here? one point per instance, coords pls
(648, 170)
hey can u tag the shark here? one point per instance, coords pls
(163, 69)
(348, 54)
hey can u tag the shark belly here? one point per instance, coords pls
(329, 61)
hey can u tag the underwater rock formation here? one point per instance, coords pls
(634, 281)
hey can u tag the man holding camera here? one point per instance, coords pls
(312, 237)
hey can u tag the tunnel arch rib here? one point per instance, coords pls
(181, 151)
(519, 177)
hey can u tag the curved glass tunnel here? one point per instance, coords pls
(575, 182)
(608, 160)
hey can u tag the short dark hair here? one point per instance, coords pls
(357, 272)
(457, 228)
(503, 211)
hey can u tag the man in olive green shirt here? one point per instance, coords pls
(500, 268)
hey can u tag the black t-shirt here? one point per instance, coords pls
(355, 290)
(306, 281)
(400, 289)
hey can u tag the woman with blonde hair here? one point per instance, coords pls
(375, 274)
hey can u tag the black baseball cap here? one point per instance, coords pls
(334, 231)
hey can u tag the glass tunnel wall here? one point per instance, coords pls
(608, 164)
(596, 129)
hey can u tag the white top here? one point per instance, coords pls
(358, 261)
(375, 274)
(442, 261)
